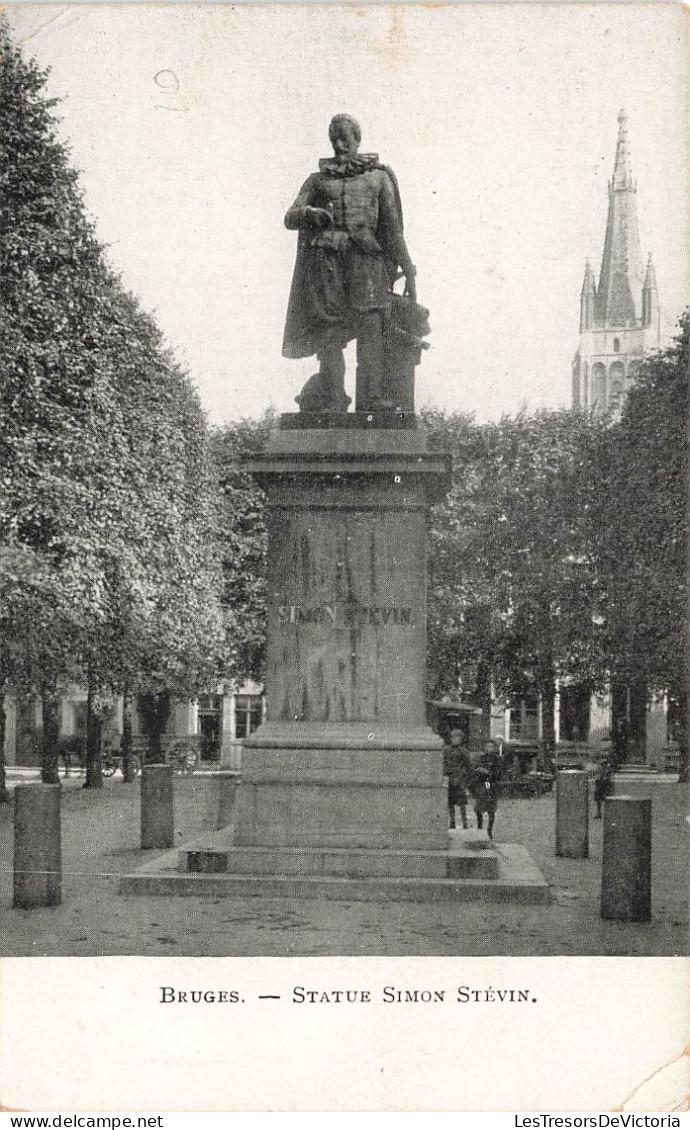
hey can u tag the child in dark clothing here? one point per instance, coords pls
(485, 786)
(458, 770)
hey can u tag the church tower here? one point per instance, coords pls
(619, 318)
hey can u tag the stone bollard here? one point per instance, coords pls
(37, 846)
(572, 814)
(227, 791)
(626, 873)
(157, 825)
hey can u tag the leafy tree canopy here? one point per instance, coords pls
(107, 511)
(639, 523)
(242, 539)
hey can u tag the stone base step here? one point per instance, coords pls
(469, 855)
(315, 786)
(518, 881)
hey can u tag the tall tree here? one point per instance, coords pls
(103, 447)
(513, 585)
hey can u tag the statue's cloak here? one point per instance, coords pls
(318, 305)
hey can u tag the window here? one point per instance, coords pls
(524, 718)
(616, 376)
(248, 712)
(599, 386)
(616, 345)
(210, 726)
(575, 713)
(209, 702)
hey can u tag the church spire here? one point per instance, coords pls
(650, 275)
(622, 171)
(650, 299)
(619, 319)
(620, 280)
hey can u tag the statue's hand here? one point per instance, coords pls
(317, 217)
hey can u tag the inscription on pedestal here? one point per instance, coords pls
(344, 617)
(346, 629)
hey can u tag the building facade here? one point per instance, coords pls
(219, 721)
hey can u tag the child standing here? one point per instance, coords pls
(485, 786)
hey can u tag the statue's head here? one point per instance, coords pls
(345, 135)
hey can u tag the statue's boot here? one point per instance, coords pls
(332, 372)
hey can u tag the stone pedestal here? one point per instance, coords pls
(345, 757)
(572, 814)
(157, 824)
(321, 793)
(37, 846)
(626, 883)
(347, 574)
(342, 793)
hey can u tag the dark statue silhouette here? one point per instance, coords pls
(351, 251)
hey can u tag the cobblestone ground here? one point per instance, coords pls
(100, 843)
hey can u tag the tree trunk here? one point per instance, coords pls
(155, 714)
(4, 791)
(482, 696)
(547, 689)
(51, 734)
(682, 734)
(546, 679)
(94, 725)
(126, 744)
(154, 754)
(548, 716)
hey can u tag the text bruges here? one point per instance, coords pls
(199, 996)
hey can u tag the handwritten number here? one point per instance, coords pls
(167, 81)
(169, 84)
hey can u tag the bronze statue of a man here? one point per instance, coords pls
(351, 244)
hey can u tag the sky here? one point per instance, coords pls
(195, 126)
